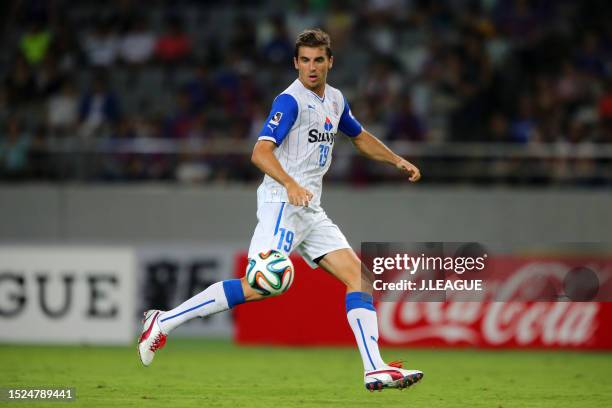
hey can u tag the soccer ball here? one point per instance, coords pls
(270, 273)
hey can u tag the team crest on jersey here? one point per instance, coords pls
(276, 118)
(335, 105)
(328, 125)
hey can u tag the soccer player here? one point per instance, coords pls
(294, 151)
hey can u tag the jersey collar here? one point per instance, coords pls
(314, 93)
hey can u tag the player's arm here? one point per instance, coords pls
(263, 157)
(369, 145)
(275, 129)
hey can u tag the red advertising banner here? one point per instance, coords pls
(312, 313)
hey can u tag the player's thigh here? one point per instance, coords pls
(326, 244)
(345, 266)
(321, 238)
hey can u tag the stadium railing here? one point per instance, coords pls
(582, 164)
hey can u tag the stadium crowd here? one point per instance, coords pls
(81, 76)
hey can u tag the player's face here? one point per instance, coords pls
(312, 64)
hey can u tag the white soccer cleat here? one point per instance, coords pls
(152, 338)
(391, 376)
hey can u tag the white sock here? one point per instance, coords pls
(362, 318)
(216, 298)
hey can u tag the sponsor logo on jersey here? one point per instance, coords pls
(276, 118)
(315, 136)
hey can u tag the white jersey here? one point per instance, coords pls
(304, 127)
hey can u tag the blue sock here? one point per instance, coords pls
(216, 298)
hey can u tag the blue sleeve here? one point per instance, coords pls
(281, 119)
(348, 124)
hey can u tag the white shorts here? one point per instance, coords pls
(285, 227)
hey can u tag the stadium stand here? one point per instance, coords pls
(491, 91)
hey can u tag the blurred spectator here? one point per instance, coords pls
(517, 19)
(404, 124)
(14, 150)
(605, 103)
(547, 109)
(137, 45)
(20, 84)
(302, 17)
(379, 87)
(580, 129)
(605, 112)
(569, 83)
(123, 130)
(49, 78)
(258, 118)
(226, 84)
(66, 50)
(98, 107)
(247, 96)
(193, 166)
(180, 123)
(35, 43)
(101, 45)
(175, 44)
(198, 132)
(477, 21)
(380, 19)
(4, 105)
(200, 88)
(119, 165)
(498, 128)
(383, 9)
(146, 128)
(380, 36)
(590, 55)
(63, 110)
(476, 65)
(279, 49)
(523, 129)
(339, 23)
(243, 40)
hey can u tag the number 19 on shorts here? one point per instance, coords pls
(286, 240)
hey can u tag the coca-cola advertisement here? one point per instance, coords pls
(496, 324)
(563, 320)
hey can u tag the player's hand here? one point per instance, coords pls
(298, 195)
(411, 169)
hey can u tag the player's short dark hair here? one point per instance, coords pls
(313, 38)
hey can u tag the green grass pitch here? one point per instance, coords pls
(205, 373)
